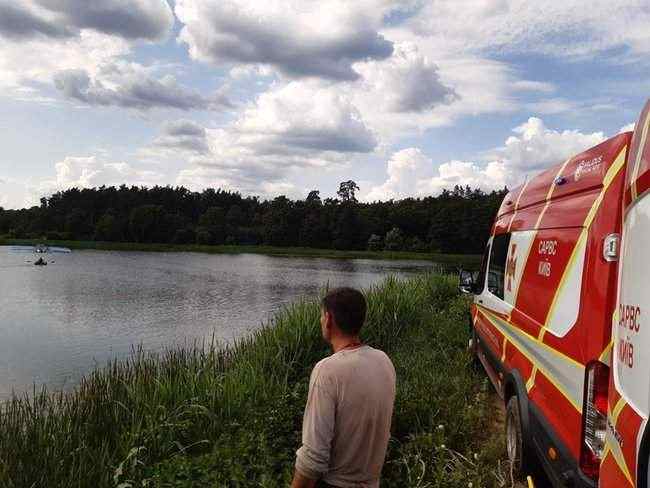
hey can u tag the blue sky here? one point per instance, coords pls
(405, 97)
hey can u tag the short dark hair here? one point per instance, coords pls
(348, 306)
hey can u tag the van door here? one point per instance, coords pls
(629, 402)
(632, 327)
(491, 299)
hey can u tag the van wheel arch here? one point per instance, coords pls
(514, 386)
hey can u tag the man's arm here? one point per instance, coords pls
(313, 457)
(301, 481)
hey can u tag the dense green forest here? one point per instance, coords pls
(456, 221)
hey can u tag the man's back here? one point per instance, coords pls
(347, 418)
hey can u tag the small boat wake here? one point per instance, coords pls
(40, 249)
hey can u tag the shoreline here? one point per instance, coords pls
(305, 252)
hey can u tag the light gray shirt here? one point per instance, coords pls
(347, 419)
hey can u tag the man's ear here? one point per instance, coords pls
(329, 320)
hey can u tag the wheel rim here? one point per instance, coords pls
(511, 438)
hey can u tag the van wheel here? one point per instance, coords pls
(515, 445)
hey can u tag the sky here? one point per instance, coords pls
(405, 97)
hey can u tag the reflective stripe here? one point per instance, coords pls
(611, 444)
(617, 409)
(612, 448)
(550, 193)
(566, 374)
(605, 356)
(531, 381)
(523, 189)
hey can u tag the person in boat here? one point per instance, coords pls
(346, 425)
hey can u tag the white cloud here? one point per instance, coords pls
(604, 107)
(536, 147)
(130, 19)
(561, 29)
(20, 22)
(130, 85)
(289, 128)
(89, 172)
(268, 186)
(453, 87)
(43, 37)
(552, 106)
(305, 116)
(13, 194)
(627, 127)
(408, 81)
(178, 137)
(534, 86)
(36, 60)
(405, 170)
(297, 37)
(532, 149)
(411, 173)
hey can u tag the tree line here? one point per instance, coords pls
(456, 221)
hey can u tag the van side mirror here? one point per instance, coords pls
(465, 281)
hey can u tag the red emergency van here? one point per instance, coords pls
(558, 316)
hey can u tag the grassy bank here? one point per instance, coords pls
(459, 259)
(231, 417)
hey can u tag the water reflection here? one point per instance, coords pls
(60, 321)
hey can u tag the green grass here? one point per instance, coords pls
(455, 259)
(231, 417)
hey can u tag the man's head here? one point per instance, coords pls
(343, 312)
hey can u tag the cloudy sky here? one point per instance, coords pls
(274, 97)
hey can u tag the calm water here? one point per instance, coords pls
(58, 322)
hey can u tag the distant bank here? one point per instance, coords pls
(451, 259)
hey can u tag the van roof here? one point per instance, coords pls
(583, 172)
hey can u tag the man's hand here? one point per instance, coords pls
(301, 481)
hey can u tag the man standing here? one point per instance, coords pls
(347, 419)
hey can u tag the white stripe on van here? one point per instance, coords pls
(566, 374)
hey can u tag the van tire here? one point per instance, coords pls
(518, 452)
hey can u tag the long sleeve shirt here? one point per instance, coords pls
(346, 425)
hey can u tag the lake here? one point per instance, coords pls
(60, 321)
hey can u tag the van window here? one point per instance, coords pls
(497, 270)
(479, 284)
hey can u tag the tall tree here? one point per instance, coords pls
(314, 197)
(347, 191)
